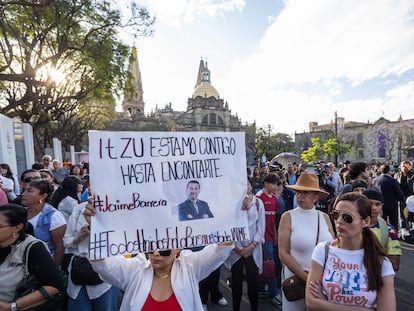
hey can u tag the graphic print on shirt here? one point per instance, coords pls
(346, 282)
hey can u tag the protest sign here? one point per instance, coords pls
(144, 185)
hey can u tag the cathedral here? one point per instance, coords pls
(206, 111)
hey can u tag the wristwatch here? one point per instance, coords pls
(13, 306)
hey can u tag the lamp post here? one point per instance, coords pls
(336, 136)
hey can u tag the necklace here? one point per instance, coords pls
(162, 276)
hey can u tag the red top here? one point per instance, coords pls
(171, 304)
(270, 215)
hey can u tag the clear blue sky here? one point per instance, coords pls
(284, 63)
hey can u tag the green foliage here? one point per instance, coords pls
(77, 39)
(324, 149)
(272, 144)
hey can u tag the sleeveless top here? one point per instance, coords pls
(304, 227)
(171, 304)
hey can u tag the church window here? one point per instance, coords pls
(213, 119)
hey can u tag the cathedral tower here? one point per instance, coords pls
(133, 104)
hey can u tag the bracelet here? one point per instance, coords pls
(254, 243)
(13, 306)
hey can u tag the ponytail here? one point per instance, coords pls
(374, 254)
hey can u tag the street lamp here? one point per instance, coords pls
(336, 136)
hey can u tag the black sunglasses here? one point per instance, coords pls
(347, 217)
(30, 179)
(164, 253)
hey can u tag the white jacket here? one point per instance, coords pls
(135, 276)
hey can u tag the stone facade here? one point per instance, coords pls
(380, 141)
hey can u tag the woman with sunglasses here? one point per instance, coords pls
(49, 224)
(352, 272)
(300, 229)
(167, 280)
(100, 296)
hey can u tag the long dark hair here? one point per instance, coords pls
(69, 188)
(374, 252)
(9, 173)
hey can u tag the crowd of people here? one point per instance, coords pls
(337, 231)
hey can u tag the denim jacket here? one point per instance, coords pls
(42, 230)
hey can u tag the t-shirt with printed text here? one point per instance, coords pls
(345, 278)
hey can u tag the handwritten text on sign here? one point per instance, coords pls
(163, 190)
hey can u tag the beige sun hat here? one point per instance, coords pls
(308, 182)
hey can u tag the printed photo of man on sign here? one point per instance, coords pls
(193, 208)
(147, 186)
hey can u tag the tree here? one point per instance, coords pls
(323, 149)
(57, 55)
(272, 144)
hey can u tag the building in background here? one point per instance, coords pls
(380, 141)
(206, 110)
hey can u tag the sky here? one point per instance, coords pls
(284, 63)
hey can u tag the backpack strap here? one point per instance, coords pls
(326, 253)
(25, 258)
(383, 231)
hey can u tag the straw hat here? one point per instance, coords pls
(308, 182)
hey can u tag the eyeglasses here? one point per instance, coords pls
(30, 179)
(164, 253)
(347, 217)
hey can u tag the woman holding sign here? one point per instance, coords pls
(168, 280)
(86, 291)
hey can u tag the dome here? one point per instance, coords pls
(205, 89)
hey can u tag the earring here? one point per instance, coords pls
(40, 201)
(13, 235)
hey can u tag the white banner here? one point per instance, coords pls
(164, 190)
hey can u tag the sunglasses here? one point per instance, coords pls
(30, 179)
(347, 217)
(164, 253)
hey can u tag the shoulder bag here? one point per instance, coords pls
(293, 287)
(269, 269)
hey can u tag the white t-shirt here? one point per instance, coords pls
(345, 279)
